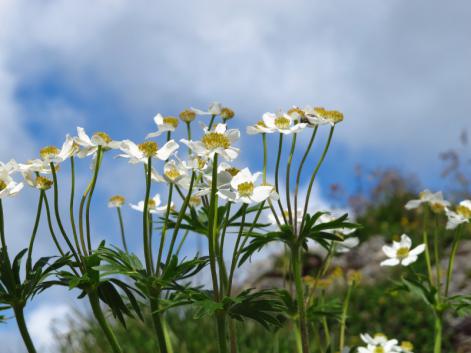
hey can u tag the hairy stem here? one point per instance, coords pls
(20, 320)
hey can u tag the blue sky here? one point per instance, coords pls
(399, 70)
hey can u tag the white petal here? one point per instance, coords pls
(389, 251)
(413, 204)
(390, 262)
(83, 138)
(166, 150)
(220, 128)
(408, 260)
(417, 250)
(261, 193)
(406, 241)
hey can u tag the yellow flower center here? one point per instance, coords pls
(171, 120)
(296, 113)
(117, 200)
(195, 201)
(3, 185)
(261, 123)
(437, 207)
(334, 116)
(151, 203)
(43, 183)
(149, 148)
(172, 173)
(282, 122)
(379, 349)
(227, 113)
(233, 171)
(354, 277)
(320, 111)
(49, 151)
(407, 346)
(380, 335)
(464, 211)
(187, 115)
(245, 189)
(213, 140)
(201, 163)
(103, 135)
(402, 252)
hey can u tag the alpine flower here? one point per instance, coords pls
(164, 124)
(401, 253)
(435, 200)
(116, 201)
(462, 214)
(89, 146)
(153, 205)
(214, 109)
(141, 153)
(283, 123)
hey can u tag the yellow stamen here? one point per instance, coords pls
(103, 135)
(187, 115)
(151, 203)
(117, 200)
(354, 277)
(149, 148)
(334, 116)
(464, 211)
(245, 189)
(261, 123)
(201, 163)
(213, 140)
(233, 171)
(296, 113)
(172, 173)
(407, 346)
(171, 120)
(402, 252)
(3, 185)
(282, 122)
(49, 151)
(437, 207)
(43, 183)
(195, 201)
(379, 349)
(227, 113)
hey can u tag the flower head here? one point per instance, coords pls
(259, 128)
(377, 344)
(164, 124)
(460, 216)
(174, 173)
(89, 146)
(153, 205)
(219, 140)
(8, 187)
(282, 123)
(434, 200)
(52, 154)
(149, 149)
(213, 109)
(116, 201)
(321, 116)
(227, 113)
(400, 253)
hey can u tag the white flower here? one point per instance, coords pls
(244, 189)
(51, 154)
(116, 201)
(8, 187)
(89, 145)
(223, 181)
(283, 123)
(435, 200)
(214, 109)
(377, 344)
(140, 153)
(401, 253)
(462, 214)
(153, 205)
(259, 128)
(174, 173)
(321, 116)
(164, 124)
(218, 141)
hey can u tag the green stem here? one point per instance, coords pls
(438, 328)
(236, 250)
(90, 195)
(164, 229)
(2, 227)
(343, 318)
(20, 320)
(71, 205)
(427, 249)
(232, 336)
(451, 261)
(288, 174)
(265, 155)
(35, 231)
(211, 122)
(51, 227)
(298, 176)
(158, 325)
(437, 258)
(277, 168)
(98, 313)
(57, 213)
(121, 227)
(145, 218)
(179, 247)
(314, 174)
(297, 274)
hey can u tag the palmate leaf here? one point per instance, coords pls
(459, 304)
(419, 288)
(331, 308)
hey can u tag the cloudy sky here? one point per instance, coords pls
(399, 70)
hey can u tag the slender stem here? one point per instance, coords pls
(35, 231)
(90, 195)
(438, 328)
(20, 320)
(277, 168)
(145, 218)
(236, 250)
(297, 274)
(232, 336)
(437, 258)
(314, 174)
(325, 327)
(180, 245)
(288, 174)
(71, 205)
(298, 176)
(427, 249)
(451, 261)
(51, 227)
(121, 227)
(164, 229)
(180, 218)
(265, 156)
(57, 213)
(151, 237)
(2, 227)
(343, 318)
(188, 132)
(158, 325)
(98, 312)
(211, 122)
